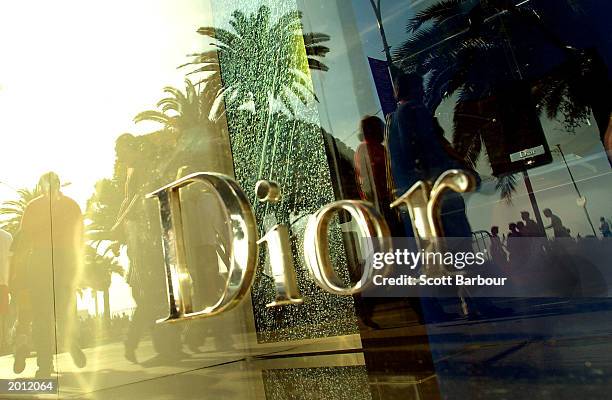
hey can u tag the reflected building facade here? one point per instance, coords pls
(286, 93)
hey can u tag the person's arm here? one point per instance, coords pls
(79, 237)
(401, 153)
(13, 262)
(6, 247)
(390, 179)
(19, 248)
(407, 121)
(608, 140)
(357, 164)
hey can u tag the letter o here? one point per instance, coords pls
(316, 244)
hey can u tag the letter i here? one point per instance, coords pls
(279, 249)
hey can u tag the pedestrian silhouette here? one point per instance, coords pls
(5, 247)
(604, 227)
(513, 243)
(417, 153)
(532, 228)
(48, 256)
(559, 231)
(371, 163)
(137, 220)
(521, 228)
(371, 170)
(498, 254)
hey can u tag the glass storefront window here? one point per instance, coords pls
(459, 127)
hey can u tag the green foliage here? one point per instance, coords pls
(99, 268)
(462, 47)
(11, 211)
(506, 185)
(263, 61)
(101, 213)
(568, 91)
(435, 13)
(180, 111)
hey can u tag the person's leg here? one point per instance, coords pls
(143, 319)
(167, 341)
(138, 278)
(67, 331)
(134, 333)
(203, 264)
(43, 335)
(22, 330)
(4, 312)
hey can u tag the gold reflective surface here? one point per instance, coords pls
(241, 247)
(262, 129)
(316, 244)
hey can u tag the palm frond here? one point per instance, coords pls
(313, 38)
(222, 35)
(239, 22)
(190, 90)
(317, 65)
(300, 92)
(506, 184)
(169, 104)
(436, 12)
(288, 22)
(467, 133)
(152, 115)
(176, 93)
(263, 16)
(205, 68)
(424, 44)
(303, 79)
(286, 100)
(317, 51)
(12, 210)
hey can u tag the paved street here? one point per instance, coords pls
(547, 354)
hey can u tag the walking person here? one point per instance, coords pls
(371, 163)
(371, 172)
(418, 151)
(48, 255)
(604, 227)
(532, 229)
(513, 244)
(559, 231)
(138, 222)
(498, 254)
(5, 248)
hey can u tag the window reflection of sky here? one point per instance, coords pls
(69, 86)
(341, 110)
(72, 81)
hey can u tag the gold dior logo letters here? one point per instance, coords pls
(422, 201)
